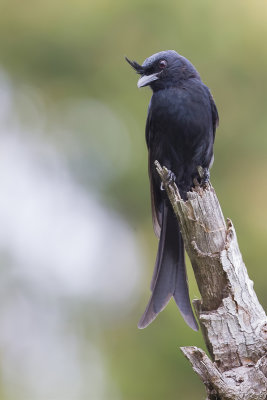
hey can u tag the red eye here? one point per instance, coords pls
(163, 64)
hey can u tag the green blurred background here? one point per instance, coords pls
(76, 241)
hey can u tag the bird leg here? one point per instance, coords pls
(170, 178)
(204, 174)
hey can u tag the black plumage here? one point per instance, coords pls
(180, 130)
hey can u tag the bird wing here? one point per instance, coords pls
(148, 121)
(154, 192)
(155, 201)
(214, 113)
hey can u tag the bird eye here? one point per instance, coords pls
(163, 64)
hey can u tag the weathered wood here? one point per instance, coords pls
(233, 323)
(241, 383)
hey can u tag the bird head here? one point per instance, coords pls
(164, 69)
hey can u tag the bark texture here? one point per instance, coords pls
(233, 322)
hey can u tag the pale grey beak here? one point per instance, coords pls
(147, 79)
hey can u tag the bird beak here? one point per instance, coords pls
(147, 79)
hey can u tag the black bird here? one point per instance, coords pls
(180, 130)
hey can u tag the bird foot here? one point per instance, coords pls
(169, 179)
(204, 174)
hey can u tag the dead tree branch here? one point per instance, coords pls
(233, 322)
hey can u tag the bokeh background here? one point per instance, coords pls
(76, 242)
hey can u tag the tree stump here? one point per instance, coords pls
(232, 321)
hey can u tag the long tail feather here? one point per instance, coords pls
(169, 278)
(181, 293)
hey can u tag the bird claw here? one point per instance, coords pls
(169, 179)
(204, 174)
